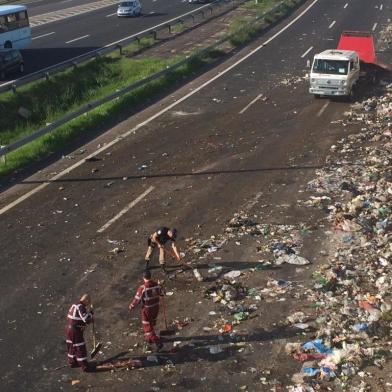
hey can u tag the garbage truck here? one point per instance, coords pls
(336, 72)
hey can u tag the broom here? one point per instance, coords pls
(167, 331)
(96, 346)
(194, 270)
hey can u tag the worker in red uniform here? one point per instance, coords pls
(149, 294)
(160, 238)
(77, 319)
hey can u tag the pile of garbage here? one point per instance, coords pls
(352, 293)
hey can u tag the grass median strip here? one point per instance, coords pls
(40, 103)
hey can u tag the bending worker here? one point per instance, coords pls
(160, 238)
(77, 319)
(149, 293)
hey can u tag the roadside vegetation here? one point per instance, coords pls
(45, 101)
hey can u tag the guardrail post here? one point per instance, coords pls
(74, 64)
(193, 19)
(120, 49)
(170, 31)
(13, 87)
(47, 76)
(154, 34)
(138, 40)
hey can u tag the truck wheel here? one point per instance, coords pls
(8, 45)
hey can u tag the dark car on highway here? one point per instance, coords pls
(10, 61)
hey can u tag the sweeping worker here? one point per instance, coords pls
(159, 239)
(149, 294)
(77, 319)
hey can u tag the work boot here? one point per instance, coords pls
(147, 265)
(159, 346)
(163, 268)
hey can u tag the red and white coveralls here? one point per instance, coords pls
(149, 293)
(77, 319)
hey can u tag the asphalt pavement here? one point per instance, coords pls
(192, 165)
(66, 29)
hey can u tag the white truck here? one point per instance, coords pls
(335, 72)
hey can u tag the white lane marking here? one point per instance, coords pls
(250, 104)
(346, 5)
(66, 1)
(321, 111)
(311, 48)
(374, 26)
(332, 24)
(78, 39)
(107, 16)
(125, 209)
(154, 116)
(381, 7)
(43, 35)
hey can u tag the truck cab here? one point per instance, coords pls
(334, 72)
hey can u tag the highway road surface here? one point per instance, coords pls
(246, 136)
(62, 30)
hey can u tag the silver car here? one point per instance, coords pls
(129, 8)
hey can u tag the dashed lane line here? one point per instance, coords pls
(345, 6)
(332, 24)
(43, 35)
(108, 16)
(322, 110)
(374, 26)
(250, 104)
(125, 209)
(381, 7)
(310, 49)
(154, 116)
(78, 39)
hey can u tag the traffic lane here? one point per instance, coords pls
(105, 27)
(56, 42)
(43, 7)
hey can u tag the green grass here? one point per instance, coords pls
(93, 82)
(244, 29)
(68, 90)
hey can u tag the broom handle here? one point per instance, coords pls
(164, 311)
(169, 252)
(92, 318)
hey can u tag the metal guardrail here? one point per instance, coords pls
(118, 45)
(119, 93)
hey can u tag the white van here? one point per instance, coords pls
(129, 8)
(334, 73)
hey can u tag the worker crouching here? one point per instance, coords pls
(149, 294)
(159, 239)
(77, 319)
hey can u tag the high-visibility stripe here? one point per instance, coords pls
(145, 322)
(74, 318)
(71, 356)
(68, 341)
(79, 344)
(151, 306)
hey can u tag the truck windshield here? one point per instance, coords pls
(337, 67)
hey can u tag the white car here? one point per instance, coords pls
(129, 8)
